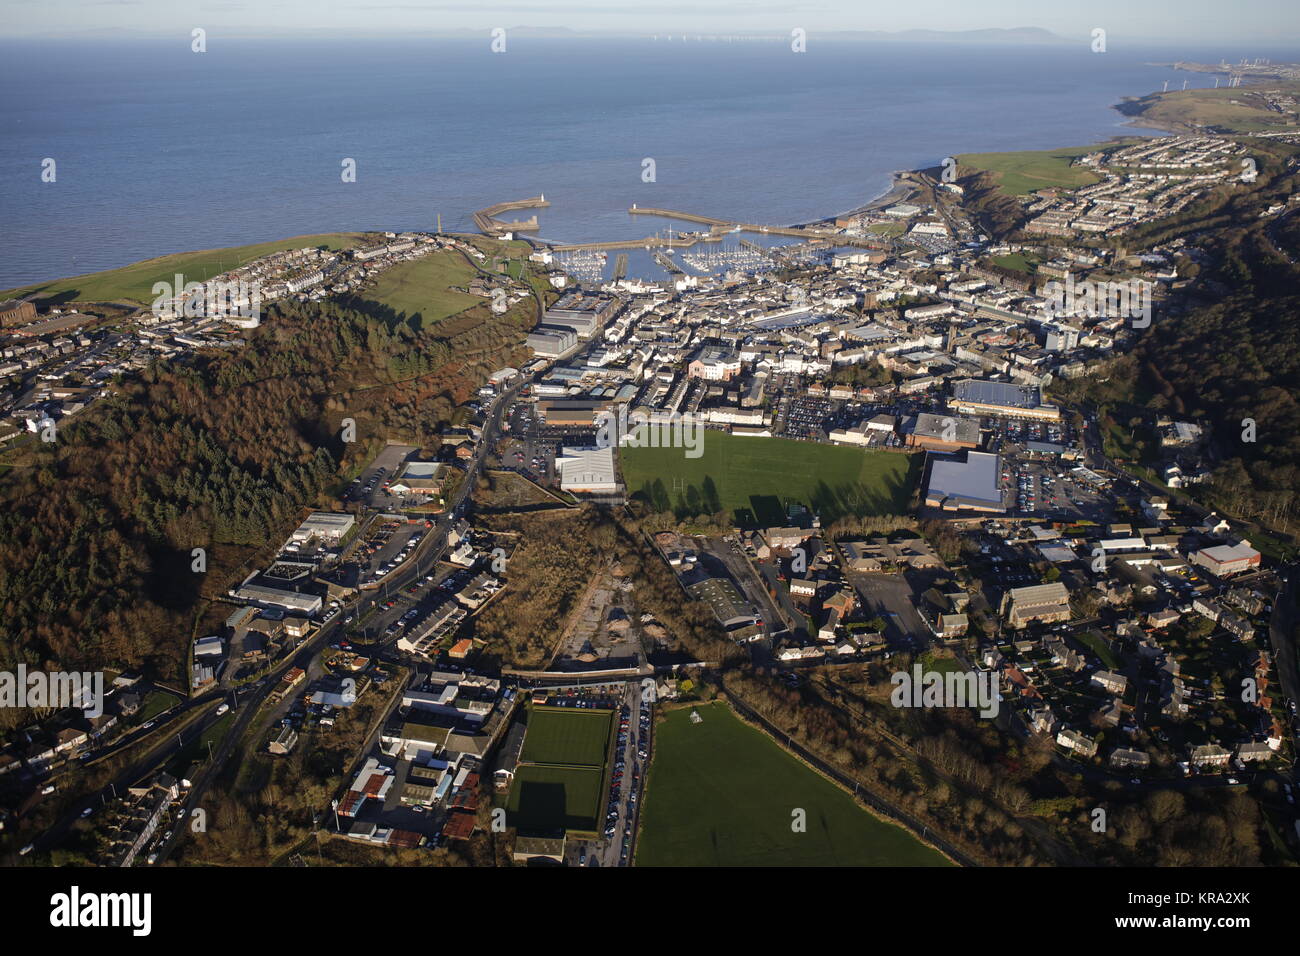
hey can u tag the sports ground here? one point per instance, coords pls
(560, 781)
(758, 478)
(721, 793)
(561, 735)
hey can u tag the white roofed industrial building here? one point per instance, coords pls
(326, 525)
(587, 469)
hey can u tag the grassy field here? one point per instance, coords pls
(135, 282)
(559, 735)
(424, 286)
(1237, 110)
(545, 798)
(756, 478)
(560, 781)
(1021, 173)
(155, 703)
(1018, 261)
(722, 794)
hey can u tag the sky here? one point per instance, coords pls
(1271, 23)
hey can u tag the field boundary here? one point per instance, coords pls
(863, 796)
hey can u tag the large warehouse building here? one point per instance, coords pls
(970, 485)
(1227, 560)
(942, 432)
(973, 396)
(290, 601)
(331, 527)
(551, 340)
(587, 470)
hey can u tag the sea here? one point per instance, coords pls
(159, 149)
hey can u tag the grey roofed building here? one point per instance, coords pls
(946, 429)
(972, 483)
(728, 604)
(1039, 602)
(1254, 750)
(274, 597)
(997, 393)
(982, 397)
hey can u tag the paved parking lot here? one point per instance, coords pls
(368, 486)
(616, 844)
(892, 597)
(530, 447)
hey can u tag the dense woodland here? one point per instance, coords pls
(1237, 357)
(222, 452)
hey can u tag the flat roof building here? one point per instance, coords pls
(942, 432)
(1227, 560)
(975, 396)
(587, 469)
(273, 597)
(329, 526)
(965, 485)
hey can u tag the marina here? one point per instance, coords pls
(744, 256)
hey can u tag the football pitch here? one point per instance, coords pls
(758, 478)
(545, 797)
(720, 793)
(560, 781)
(559, 735)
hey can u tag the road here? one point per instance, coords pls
(427, 554)
(161, 751)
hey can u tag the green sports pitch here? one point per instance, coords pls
(757, 479)
(560, 781)
(559, 735)
(547, 798)
(721, 793)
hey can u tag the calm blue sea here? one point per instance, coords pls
(162, 150)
